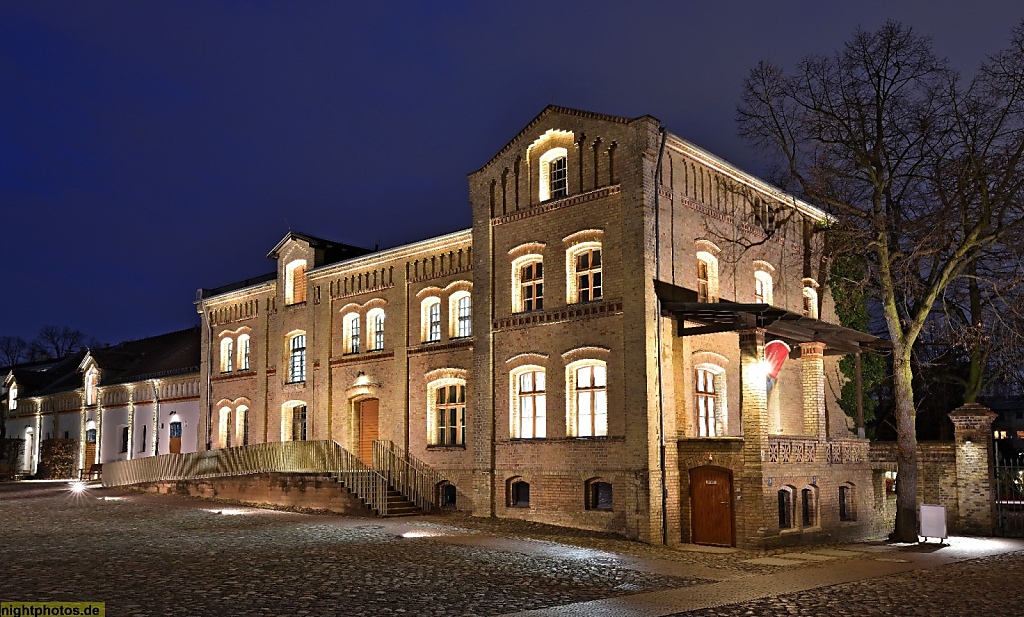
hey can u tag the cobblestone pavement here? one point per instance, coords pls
(146, 555)
(991, 586)
(157, 555)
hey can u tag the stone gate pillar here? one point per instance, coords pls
(975, 480)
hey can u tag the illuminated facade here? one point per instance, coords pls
(626, 339)
(120, 402)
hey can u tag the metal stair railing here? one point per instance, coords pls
(411, 477)
(324, 456)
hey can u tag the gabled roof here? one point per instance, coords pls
(333, 251)
(163, 355)
(555, 109)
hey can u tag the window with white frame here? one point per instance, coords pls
(554, 177)
(295, 282)
(460, 312)
(430, 314)
(529, 286)
(12, 397)
(297, 358)
(709, 400)
(352, 333)
(529, 403)
(242, 425)
(227, 353)
(446, 412)
(375, 325)
(243, 352)
(763, 293)
(587, 383)
(298, 417)
(223, 421)
(707, 277)
(585, 276)
(810, 302)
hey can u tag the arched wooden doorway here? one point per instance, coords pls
(711, 506)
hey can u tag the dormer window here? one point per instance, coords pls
(295, 282)
(92, 381)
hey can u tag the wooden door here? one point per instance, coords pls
(90, 449)
(711, 506)
(174, 445)
(368, 430)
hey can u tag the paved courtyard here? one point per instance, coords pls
(154, 555)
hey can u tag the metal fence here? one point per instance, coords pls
(411, 477)
(326, 456)
(1009, 476)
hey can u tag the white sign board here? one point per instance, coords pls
(933, 521)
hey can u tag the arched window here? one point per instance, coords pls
(584, 278)
(528, 414)
(786, 508)
(293, 421)
(297, 358)
(223, 435)
(810, 302)
(554, 177)
(92, 380)
(430, 316)
(352, 333)
(707, 277)
(242, 425)
(243, 352)
(847, 505)
(227, 352)
(295, 282)
(446, 412)
(460, 312)
(763, 287)
(375, 327)
(709, 400)
(518, 493)
(808, 506)
(528, 284)
(587, 385)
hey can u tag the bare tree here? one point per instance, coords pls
(57, 342)
(922, 173)
(13, 349)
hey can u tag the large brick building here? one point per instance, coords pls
(591, 352)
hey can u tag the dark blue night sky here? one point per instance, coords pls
(151, 148)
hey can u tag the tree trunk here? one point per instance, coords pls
(906, 447)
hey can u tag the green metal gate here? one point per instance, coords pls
(1009, 472)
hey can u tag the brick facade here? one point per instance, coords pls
(618, 405)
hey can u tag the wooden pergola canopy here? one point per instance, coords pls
(790, 327)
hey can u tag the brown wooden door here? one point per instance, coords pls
(711, 517)
(368, 430)
(174, 443)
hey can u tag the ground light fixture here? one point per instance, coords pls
(77, 487)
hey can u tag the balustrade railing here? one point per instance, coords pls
(326, 456)
(796, 449)
(408, 475)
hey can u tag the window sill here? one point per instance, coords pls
(295, 383)
(288, 304)
(443, 448)
(528, 439)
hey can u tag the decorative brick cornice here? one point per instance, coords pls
(567, 313)
(434, 347)
(558, 204)
(363, 357)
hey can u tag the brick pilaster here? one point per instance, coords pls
(812, 369)
(752, 501)
(975, 479)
